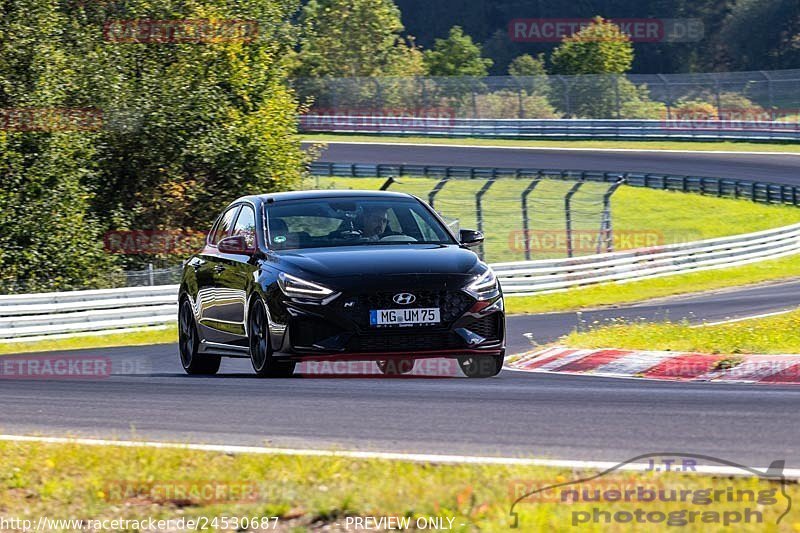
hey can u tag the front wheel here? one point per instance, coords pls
(192, 362)
(264, 364)
(481, 366)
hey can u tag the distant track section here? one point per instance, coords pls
(778, 168)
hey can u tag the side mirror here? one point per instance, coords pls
(237, 244)
(470, 237)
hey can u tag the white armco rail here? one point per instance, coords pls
(27, 316)
(30, 316)
(540, 277)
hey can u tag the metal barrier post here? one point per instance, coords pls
(438, 187)
(479, 208)
(606, 236)
(525, 220)
(568, 210)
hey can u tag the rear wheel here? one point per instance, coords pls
(396, 367)
(193, 362)
(264, 364)
(481, 366)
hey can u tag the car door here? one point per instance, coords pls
(211, 266)
(234, 275)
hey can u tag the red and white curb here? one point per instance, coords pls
(670, 366)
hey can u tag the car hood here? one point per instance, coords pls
(380, 260)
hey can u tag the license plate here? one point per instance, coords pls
(404, 317)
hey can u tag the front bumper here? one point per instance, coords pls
(341, 329)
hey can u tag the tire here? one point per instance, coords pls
(264, 364)
(481, 366)
(396, 367)
(193, 363)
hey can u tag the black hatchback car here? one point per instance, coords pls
(359, 275)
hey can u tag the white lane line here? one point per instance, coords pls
(743, 318)
(387, 456)
(555, 149)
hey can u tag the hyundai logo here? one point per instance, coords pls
(404, 298)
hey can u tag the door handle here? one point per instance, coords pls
(219, 268)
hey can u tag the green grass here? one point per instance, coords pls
(132, 338)
(540, 143)
(608, 294)
(641, 217)
(71, 481)
(769, 335)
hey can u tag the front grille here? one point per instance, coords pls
(452, 304)
(406, 342)
(487, 327)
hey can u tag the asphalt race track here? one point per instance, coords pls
(515, 414)
(772, 167)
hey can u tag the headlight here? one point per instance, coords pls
(295, 287)
(484, 286)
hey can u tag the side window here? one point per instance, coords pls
(223, 227)
(246, 225)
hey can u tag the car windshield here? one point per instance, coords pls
(352, 221)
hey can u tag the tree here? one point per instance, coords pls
(600, 48)
(773, 35)
(48, 238)
(597, 57)
(354, 38)
(186, 127)
(527, 65)
(456, 56)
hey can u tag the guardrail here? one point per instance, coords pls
(546, 276)
(761, 192)
(554, 128)
(25, 316)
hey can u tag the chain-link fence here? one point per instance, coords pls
(737, 96)
(132, 278)
(523, 219)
